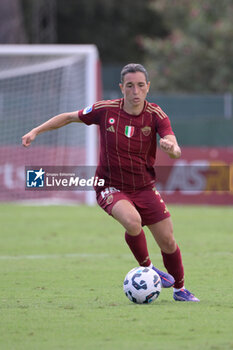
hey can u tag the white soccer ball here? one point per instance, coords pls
(142, 285)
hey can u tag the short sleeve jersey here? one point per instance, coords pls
(127, 142)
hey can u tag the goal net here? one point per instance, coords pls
(38, 82)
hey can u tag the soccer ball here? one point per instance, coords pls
(142, 285)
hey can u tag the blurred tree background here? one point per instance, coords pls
(197, 54)
(186, 45)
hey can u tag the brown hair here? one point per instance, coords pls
(133, 68)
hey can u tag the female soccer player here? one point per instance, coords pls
(128, 128)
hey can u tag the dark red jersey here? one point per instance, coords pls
(127, 142)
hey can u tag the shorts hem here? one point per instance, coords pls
(168, 215)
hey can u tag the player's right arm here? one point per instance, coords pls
(54, 123)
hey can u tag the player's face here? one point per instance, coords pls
(135, 88)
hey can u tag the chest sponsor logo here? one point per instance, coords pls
(146, 130)
(129, 131)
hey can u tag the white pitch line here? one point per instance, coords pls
(66, 256)
(53, 256)
(91, 255)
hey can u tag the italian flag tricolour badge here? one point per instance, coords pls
(129, 131)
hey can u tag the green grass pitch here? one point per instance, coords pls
(62, 270)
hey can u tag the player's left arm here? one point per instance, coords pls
(170, 146)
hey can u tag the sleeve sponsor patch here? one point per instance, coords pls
(87, 109)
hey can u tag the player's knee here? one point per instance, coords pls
(169, 243)
(133, 224)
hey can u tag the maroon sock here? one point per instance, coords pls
(174, 266)
(138, 246)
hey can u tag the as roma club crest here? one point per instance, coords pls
(109, 199)
(129, 131)
(146, 130)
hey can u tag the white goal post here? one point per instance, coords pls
(36, 83)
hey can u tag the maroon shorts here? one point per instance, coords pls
(148, 203)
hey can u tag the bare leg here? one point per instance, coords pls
(163, 234)
(127, 215)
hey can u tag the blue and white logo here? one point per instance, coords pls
(35, 178)
(87, 110)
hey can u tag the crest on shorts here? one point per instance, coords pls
(129, 131)
(109, 199)
(146, 130)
